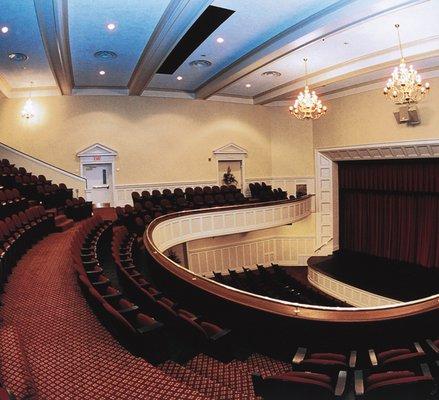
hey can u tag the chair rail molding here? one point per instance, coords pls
(327, 218)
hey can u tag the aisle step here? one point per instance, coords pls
(14, 369)
(259, 363)
(200, 383)
(233, 375)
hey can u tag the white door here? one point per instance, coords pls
(99, 183)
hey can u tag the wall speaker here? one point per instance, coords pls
(407, 115)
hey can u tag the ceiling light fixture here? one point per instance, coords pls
(102, 72)
(28, 111)
(111, 27)
(5, 29)
(179, 78)
(17, 57)
(220, 40)
(273, 74)
(307, 104)
(200, 64)
(248, 85)
(105, 55)
(405, 85)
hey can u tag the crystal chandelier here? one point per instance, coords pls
(405, 85)
(28, 111)
(307, 104)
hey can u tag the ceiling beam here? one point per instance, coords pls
(5, 88)
(335, 18)
(52, 18)
(335, 74)
(176, 20)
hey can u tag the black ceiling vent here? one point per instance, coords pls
(202, 28)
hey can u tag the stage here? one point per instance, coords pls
(367, 281)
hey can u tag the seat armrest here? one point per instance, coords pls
(91, 262)
(150, 328)
(373, 358)
(358, 383)
(353, 359)
(220, 334)
(112, 296)
(426, 370)
(257, 383)
(432, 346)
(101, 283)
(91, 273)
(300, 355)
(419, 348)
(128, 310)
(341, 383)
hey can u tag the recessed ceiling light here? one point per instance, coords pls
(17, 57)
(5, 29)
(200, 63)
(274, 74)
(220, 40)
(105, 54)
(102, 72)
(111, 27)
(247, 85)
(179, 78)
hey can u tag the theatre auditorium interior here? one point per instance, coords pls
(219, 200)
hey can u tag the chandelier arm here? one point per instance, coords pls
(399, 41)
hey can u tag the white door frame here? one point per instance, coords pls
(231, 152)
(99, 154)
(327, 217)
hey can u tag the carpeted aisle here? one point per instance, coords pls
(70, 355)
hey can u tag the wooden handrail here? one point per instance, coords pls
(274, 306)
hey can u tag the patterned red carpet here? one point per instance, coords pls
(69, 354)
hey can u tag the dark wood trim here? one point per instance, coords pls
(272, 306)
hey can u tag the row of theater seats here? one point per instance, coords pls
(147, 206)
(408, 372)
(135, 330)
(11, 202)
(196, 332)
(78, 209)
(36, 188)
(263, 192)
(18, 233)
(276, 283)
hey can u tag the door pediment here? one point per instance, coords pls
(96, 149)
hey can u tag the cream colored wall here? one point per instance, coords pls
(368, 118)
(158, 140)
(291, 144)
(153, 136)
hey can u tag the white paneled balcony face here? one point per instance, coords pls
(185, 228)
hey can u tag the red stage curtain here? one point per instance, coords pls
(391, 209)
